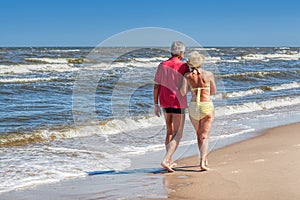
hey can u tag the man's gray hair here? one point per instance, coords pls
(177, 47)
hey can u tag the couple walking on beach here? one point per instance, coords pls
(173, 80)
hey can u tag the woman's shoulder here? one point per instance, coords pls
(187, 74)
(208, 73)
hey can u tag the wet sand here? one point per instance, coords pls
(263, 167)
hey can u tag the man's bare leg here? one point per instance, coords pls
(178, 124)
(170, 131)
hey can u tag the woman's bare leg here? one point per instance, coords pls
(202, 128)
(206, 123)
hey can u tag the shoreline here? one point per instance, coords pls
(262, 167)
(227, 163)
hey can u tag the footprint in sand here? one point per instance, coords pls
(183, 184)
(296, 145)
(259, 160)
(182, 177)
(236, 171)
(277, 152)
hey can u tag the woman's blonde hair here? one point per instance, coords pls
(195, 59)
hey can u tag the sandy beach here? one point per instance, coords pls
(264, 167)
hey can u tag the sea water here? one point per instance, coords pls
(66, 111)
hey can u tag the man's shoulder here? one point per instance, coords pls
(165, 62)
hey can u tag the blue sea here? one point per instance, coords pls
(68, 110)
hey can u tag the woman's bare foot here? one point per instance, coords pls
(203, 165)
(173, 164)
(167, 167)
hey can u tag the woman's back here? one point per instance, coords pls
(200, 85)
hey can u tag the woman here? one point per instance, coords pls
(201, 83)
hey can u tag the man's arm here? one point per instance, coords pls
(156, 91)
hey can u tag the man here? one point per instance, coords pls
(168, 79)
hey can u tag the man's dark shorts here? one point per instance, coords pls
(174, 110)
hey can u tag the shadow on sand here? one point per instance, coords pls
(144, 170)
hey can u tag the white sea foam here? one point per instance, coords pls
(24, 69)
(212, 59)
(49, 60)
(30, 165)
(154, 59)
(116, 126)
(157, 60)
(111, 127)
(286, 86)
(285, 55)
(257, 73)
(260, 91)
(254, 106)
(235, 134)
(205, 49)
(63, 50)
(27, 80)
(244, 93)
(82, 152)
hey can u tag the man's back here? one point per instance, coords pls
(169, 76)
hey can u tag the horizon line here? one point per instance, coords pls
(91, 46)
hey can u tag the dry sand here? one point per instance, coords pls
(264, 167)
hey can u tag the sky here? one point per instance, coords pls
(209, 22)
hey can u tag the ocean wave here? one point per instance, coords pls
(213, 59)
(109, 127)
(261, 89)
(208, 59)
(285, 86)
(126, 125)
(48, 60)
(257, 106)
(205, 49)
(24, 69)
(64, 50)
(30, 166)
(27, 80)
(282, 55)
(243, 93)
(256, 74)
(259, 74)
(153, 59)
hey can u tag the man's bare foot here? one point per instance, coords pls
(167, 167)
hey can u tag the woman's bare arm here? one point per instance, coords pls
(184, 86)
(213, 88)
